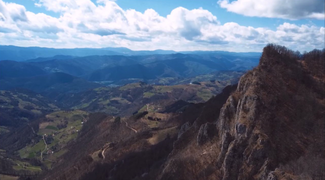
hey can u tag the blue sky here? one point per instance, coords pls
(237, 25)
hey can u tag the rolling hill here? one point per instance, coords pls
(55, 83)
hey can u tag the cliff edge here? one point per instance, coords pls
(272, 127)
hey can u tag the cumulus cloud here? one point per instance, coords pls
(83, 23)
(12, 12)
(287, 9)
(15, 19)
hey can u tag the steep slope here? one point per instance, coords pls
(126, 148)
(271, 127)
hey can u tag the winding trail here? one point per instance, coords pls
(106, 146)
(103, 152)
(127, 125)
(43, 141)
(44, 148)
(32, 128)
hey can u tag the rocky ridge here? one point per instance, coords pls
(267, 129)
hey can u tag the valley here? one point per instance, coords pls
(53, 128)
(49, 107)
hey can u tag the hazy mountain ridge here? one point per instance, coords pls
(120, 70)
(25, 53)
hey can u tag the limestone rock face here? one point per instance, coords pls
(206, 132)
(272, 120)
(183, 129)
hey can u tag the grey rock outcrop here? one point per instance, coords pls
(186, 126)
(206, 132)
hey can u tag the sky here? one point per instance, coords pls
(179, 25)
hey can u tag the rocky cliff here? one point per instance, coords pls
(272, 127)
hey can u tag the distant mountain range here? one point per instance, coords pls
(25, 53)
(43, 73)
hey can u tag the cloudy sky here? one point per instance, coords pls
(230, 25)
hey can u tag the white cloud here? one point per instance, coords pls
(65, 5)
(38, 4)
(12, 12)
(287, 9)
(83, 23)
